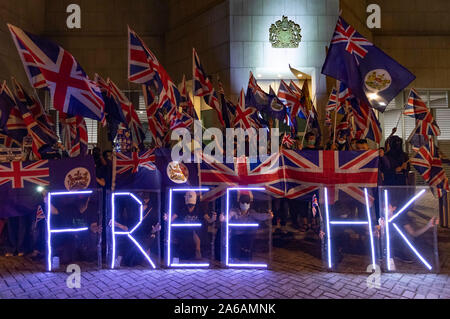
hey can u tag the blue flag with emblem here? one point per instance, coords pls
(372, 75)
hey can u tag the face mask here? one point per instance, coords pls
(312, 142)
(341, 142)
(190, 206)
(245, 206)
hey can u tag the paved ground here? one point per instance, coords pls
(295, 274)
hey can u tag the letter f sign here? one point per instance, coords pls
(390, 221)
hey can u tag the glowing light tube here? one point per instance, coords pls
(171, 225)
(228, 225)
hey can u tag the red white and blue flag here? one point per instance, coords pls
(429, 164)
(347, 172)
(288, 141)
(132, 119)
(256, 97)
(246, 117)
(373, 76)
(425, 122)
(185, 103)
(203, 87)
(156, 124)
(50, 66)
(17, 173)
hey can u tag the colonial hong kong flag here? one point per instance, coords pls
(345, 172)
(203, 87)
(50, 66)
(275, 108)
(220, 176)
(256, 97)
(372, 75)
(425, 123)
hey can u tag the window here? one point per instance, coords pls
(92, 128)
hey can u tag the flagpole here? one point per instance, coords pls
(338, 85)
(307, 121)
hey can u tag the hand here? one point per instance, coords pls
(222, 218)
(270, 213)
(321, 234)
(434, 221)
(165, 217)
(96, 229)
(381, 222)
(333, 147)
(156, 228)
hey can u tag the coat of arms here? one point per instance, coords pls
(285, 34)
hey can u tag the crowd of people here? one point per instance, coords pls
(26, 233)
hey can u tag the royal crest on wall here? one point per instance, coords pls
(285, 34)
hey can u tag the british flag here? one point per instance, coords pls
(6, 104)
(185, 103)
(245, 116)
(241, 173)
(134, 162)
(288, 141)
(332, 101)
(9, 142)
(132, 119)
(228, 108)
(156, 124)
(40, 215)
(429, 164)
(113, 111)
(203, 87)
(366, 121)
(50, 66)
(15, 126)
(74, 134)
(343, 95)
(293, 104)
(347, 172)
(425, 123)
(144, 68)
(181, 120)
(17, 173)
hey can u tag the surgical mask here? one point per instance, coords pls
(244, 206)
(312, 142)
(341, 142)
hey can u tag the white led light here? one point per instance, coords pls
(170, 225)
(228, 225)
(126, 233)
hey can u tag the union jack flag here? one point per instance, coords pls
(366, 121)
(6, 104)
(144, 68)
(40, 215)
(181, 120)
(241, 173)
(134, 162)
(293, 104)
(429, 164)
(134, 124)
(9, 142)
(74, 134)
(332, 101)
(50, 66)
(343, 96)
(348, 172)
(203, 87)
(245, 116)
(288, 140)
(228, 108)
(17, 173)
(315, 205)
(155, 118)
(425, 123)
(355, 43)
(185, 103)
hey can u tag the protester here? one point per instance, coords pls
(241, 240)
(396, 173)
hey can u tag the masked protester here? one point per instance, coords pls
(242, 239)
(188, 240)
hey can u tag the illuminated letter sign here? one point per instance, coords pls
(172, 225)
(391, 221)
(51, 231)
(129, 234)
(354, 223)
(228, 225)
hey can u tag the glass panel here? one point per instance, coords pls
(438, 99)
(350, 233)
(135, 238)
(75, 223)
(409, 229)
(247, 236)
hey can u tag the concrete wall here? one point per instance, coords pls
(417, 34)
(28, 14)
(101, 43)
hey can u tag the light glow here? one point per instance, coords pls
(51, 231)
(170, 225)
(228, 225)
(127, 233)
